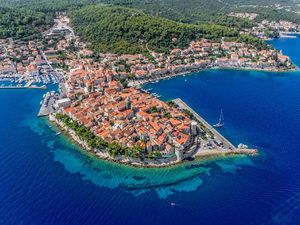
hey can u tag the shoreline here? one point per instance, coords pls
(200, 155)
(23, 87)
(139, 82)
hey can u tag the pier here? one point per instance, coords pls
(181, 104)
(231, 149)
(23, 87)
(47, 104)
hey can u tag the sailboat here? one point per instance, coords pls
(221, 121)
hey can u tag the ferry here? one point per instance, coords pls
(221, 121)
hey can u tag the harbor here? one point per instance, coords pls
(47, 104)
(220, 143)
(51, 101)
(23, 87)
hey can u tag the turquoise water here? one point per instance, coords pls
(45, 179)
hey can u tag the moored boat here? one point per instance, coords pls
(221, 121)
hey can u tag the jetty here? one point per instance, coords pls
(231, 149)
(181, 104)
(47, 104)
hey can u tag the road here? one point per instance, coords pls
(59, 77)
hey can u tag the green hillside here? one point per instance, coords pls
(21, 23)
(189, 11)
(123, 30)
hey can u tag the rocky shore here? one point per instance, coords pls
(158, 163)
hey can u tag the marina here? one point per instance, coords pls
(23, 87)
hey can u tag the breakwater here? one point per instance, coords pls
(230, 148)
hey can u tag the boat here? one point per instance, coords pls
(242, 146)
(221, 121)
(58, 133)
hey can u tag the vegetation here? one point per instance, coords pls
(21, 23)
(123, 30)
(194, 11)
(259, 43)
(230, 21)
(189, 114)
(96, 142)
(188, 11)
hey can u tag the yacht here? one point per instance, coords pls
(221, 121)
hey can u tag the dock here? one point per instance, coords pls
(47, 105)
(181, 104)
(23, 87)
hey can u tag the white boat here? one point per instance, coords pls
(221, 121)
(242, 146)
(58, 133)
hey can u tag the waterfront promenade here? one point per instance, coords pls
(181, 104)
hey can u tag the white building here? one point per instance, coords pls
(63, 103)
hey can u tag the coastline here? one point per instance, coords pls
(199, 155)
(139, 82)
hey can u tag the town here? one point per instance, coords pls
(266, 29)
(102, 99)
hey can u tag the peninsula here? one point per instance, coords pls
(101, 103)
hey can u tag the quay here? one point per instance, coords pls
(49, 100)
(232, 150)
(23, 87)
(47, 104)
(181, 104)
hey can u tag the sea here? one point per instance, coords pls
(47, 179)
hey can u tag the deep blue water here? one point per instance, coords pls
(45, 179)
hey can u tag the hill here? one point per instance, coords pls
(188, 11)
(124, 30)
(21, 23)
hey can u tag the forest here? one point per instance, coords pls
(188, 11)
(134, 26)
(22, 23)
(123, 30)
